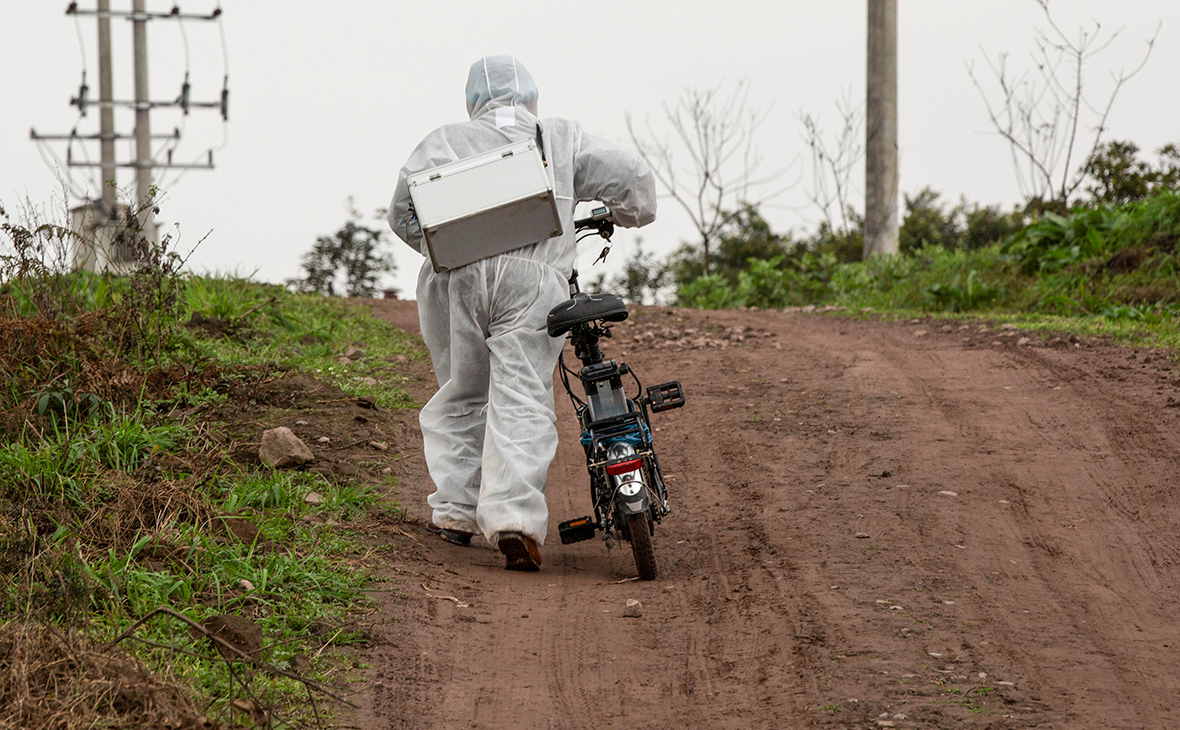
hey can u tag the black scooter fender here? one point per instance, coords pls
(632, 497)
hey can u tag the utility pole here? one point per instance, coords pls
(143, 114)
(100, 224)
(881, 178)
(106, 110)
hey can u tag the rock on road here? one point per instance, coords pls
(876, 524)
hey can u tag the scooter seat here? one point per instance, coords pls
(584, 308)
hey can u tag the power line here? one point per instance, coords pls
(142, 158)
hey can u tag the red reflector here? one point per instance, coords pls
(624, 466)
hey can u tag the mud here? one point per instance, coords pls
(876, 524)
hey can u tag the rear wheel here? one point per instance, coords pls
(639, 529)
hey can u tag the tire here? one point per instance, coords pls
(641, 546)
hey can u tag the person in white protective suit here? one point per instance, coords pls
(488, 433)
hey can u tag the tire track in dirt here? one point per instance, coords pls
(815, 572)
(1070, 571)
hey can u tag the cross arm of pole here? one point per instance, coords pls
(175, 13)
(151, 165)
(175, 134)
(157, 104)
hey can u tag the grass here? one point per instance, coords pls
(271, 326)
(1105, 272)
(116, 499)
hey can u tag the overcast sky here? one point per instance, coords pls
(328, 99)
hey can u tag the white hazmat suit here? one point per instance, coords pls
(488, 432)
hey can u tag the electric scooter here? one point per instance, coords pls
(627, 488)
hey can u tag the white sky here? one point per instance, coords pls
(328, 99)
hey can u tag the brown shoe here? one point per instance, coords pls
(456, 537)
(521, 552)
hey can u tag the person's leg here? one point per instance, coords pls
(520, 439)
(452, 309)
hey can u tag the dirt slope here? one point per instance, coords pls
(875, 525)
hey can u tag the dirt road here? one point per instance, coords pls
(876, 525)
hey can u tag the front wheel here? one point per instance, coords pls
(639, 529)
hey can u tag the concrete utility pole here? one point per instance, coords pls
(143, 113)
(106, 111)
(881, 209)
(101, 224)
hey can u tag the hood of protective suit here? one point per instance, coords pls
(496, 81)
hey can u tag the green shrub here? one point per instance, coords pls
(955, 297)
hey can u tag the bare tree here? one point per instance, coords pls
(834, 159)
(710, 164)
(1045, 114)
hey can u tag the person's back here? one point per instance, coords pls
(488, 432)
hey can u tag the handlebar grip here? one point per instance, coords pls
(596, 216)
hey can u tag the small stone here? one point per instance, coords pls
(281, 448)
(387, 471)
(324, 440)
(245, 585)
(633, 609)
(982, 675)
(896, 608)
(1023, 341)
(301, 423)
(934, 654)
(354, 353)
(1006, 684)
(313, 498)
(379, 445)
(948, 493)
(900, 716)
(862, 535)
(920, 333)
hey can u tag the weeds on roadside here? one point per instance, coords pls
(1109, 270)
(308, 333)
(115, 501)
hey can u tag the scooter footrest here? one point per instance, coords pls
(665, 396)
(576, 530)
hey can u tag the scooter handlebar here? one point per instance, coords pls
(597, 217)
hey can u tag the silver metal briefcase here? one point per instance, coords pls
(484, 205)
